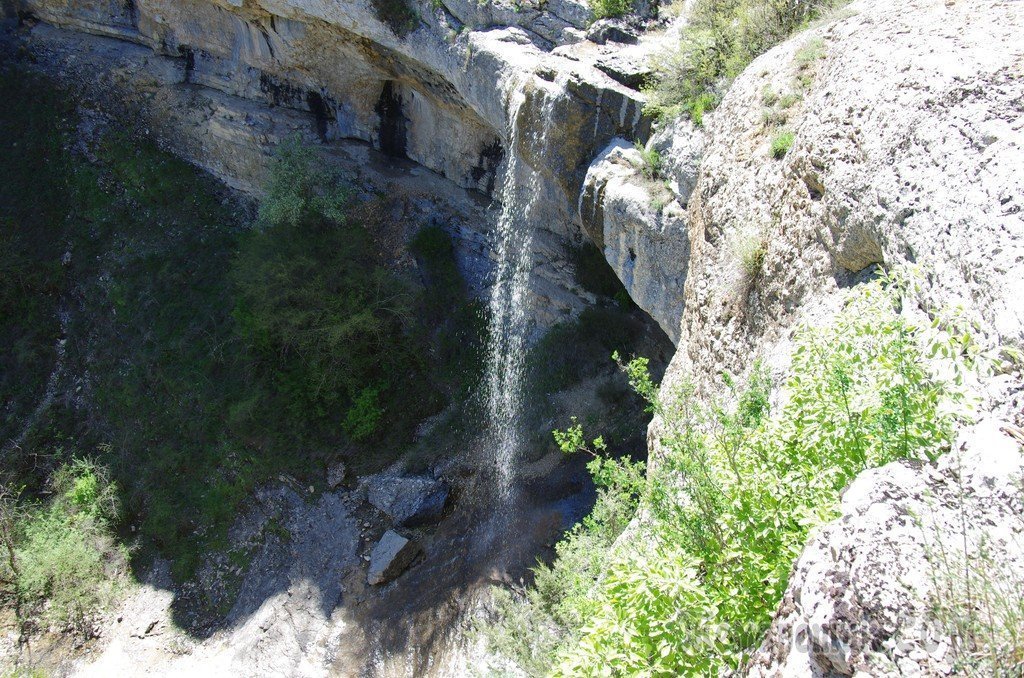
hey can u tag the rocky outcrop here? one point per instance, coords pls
(392, 555)
(224, 81)
(863, 595)
(438, 95)
(902, 152)
(907, 137)
(641, 228)
(408, 501)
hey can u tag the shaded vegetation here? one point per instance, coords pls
(211, 354)
(400, 16)
(35, 164)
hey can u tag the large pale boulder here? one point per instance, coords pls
(862, 594)
(392, 555)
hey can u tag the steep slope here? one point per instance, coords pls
(886, 135)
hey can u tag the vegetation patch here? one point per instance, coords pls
(218, 351)
(650, 161)
(60, 563)
(720, 39)
(736, 492)
(610, 9)
(401, 16)
(781, 143)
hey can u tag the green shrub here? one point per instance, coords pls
(650, 161)
(781, 143)
(735, 494)
(610, 9)
(302, 189)
(65, 561)
(364, 417)
(720, 39)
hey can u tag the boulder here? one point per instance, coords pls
(410, 501)
(632, 69)
(861, 597)
(336, 475)
(611, 30)
(390, 558)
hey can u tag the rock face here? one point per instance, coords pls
(907, 149)
(861, 595)
(642, 230)
(902, 153)
(409, 501)
(390, 558)
(224, 81)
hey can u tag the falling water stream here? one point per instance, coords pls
(510, 297)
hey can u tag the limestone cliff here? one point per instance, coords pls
(907, 138)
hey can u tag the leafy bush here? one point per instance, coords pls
(64, 562)
(302, 189)
(650, 161)
(737, 491)
(720, 39)
(610, 9)
(204, 407)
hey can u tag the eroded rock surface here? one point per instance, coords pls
(862, 594)
(642, 231)
(907, 141)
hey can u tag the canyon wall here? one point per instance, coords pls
(445, 89)
(907, 140)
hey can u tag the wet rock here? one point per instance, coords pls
(390, 558)
(410, 501)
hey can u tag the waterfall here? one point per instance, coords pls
(510, 295)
